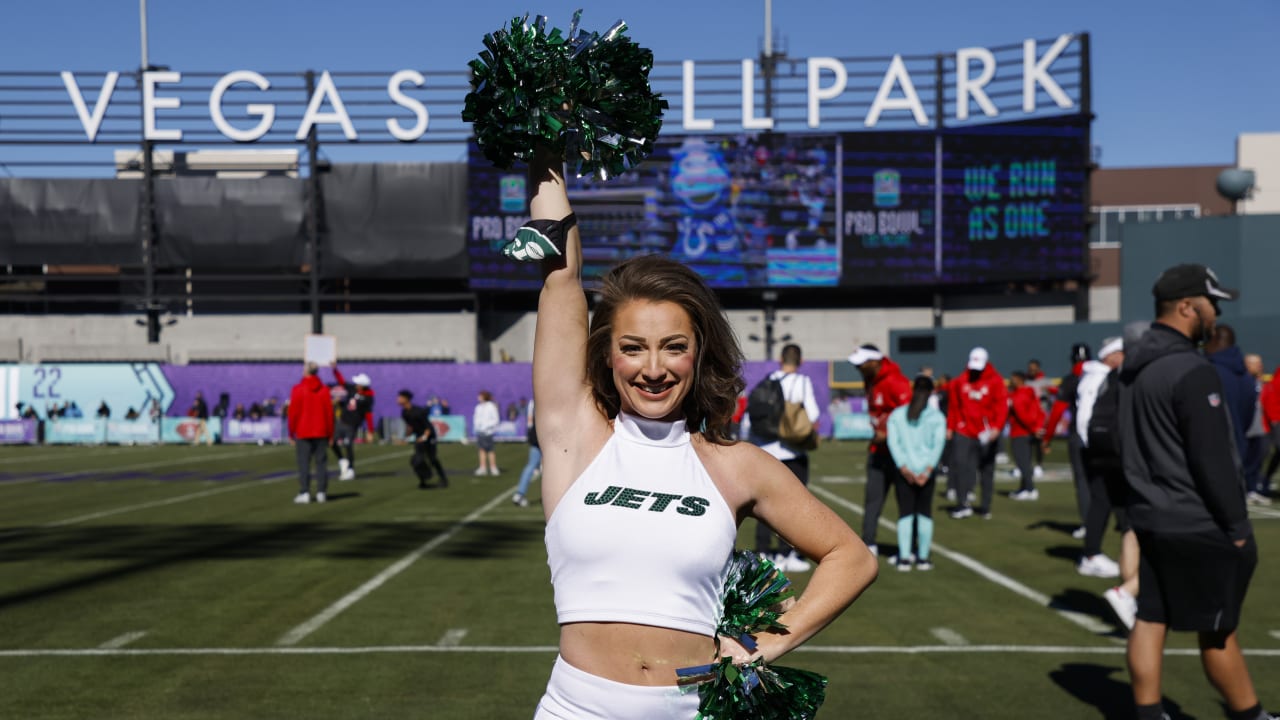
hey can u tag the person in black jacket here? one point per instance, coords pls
(357, 402)
(1187, 498)
(417, 420)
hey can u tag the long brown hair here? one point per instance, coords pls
(717, 375)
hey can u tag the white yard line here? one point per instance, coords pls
(948, 636)
(1087, 622)
(452, 638)
(510, 650)
(296, 635)
(125, 639)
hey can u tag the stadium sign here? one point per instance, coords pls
(825, 81)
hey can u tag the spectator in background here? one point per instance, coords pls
(270, 407)
(1239, 391)
(311, 427)
(255, 412)
(156, 411)
(887, 389)
(224, 405)
(1066, 401)
(425, 440)
(1041, 384)
(1102, 471)
(976, 413)
(104, 410)
(796, 388)
(1256, 437)
(534, 463)
(356, 406)
(1271, 419)
(916, 436)
(239, 413)
(131, 414)
(199, 408)
(484, 423)
(1026, 424)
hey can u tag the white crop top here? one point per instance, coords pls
(643, 536)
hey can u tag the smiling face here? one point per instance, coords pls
(652, 356)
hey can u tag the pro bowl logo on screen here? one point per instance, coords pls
(698, 175)
(888, 188)
(511, 194)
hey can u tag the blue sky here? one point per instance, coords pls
(1175, 81)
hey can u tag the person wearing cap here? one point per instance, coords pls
(1186, 496)
(917, 434)
(977, 409)
(356, 406)
(1094, 376)
(887, 389)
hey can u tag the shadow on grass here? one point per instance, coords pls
(1112, 696)
(142, 548)
(1086, 602)
(1064, 528)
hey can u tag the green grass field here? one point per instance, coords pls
(182, 582)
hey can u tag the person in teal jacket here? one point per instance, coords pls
(917, 434)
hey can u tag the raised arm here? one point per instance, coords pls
(570, 427)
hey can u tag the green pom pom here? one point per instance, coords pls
(753, 591)
(757, 691)
(584, 96)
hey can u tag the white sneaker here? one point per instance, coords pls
(495, 471)
(1124, 605)
(1037, 473)
(1015, 473)
(875, 549)
(480, 471)
(904, 565)
(971, 497)
(1098, 566)
(320, 497)
(302, 499)
(1256, 498)
(348, 474)
(961, 513)
(519, 500)
(343, 464)
(1025, 495)
(796, 564)
(1078, 533)
(924, 565)
(951, 495)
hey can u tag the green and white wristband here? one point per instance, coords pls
(538, 240)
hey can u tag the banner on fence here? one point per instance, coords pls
(264, 430)
(852, 426)
(17, 432)
(132, 432)
(72, 431)
(185, 430)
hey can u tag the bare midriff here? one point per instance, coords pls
(633, 654)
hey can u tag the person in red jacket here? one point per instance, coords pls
(887, 388)
(310, 427)
(1026, 419)
(976, 412)
(1271, 420)
(1065, 400)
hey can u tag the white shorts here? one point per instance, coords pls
(573, 694)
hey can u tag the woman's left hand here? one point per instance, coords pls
(730, 647)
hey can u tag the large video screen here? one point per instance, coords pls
(1013, 201)
(760, 211)
(888, 182)
(744, 211)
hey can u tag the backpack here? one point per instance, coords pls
(765, 404)
(1104, 430)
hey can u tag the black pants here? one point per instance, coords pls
(423, 460)
(312, 451)
(882, 474)
(1254, 450)
(915, 499)
(799, 466)
(972, 462)
(344, 442)
(1021, 449)
(1079, 476)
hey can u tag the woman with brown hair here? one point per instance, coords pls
(644, 488)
